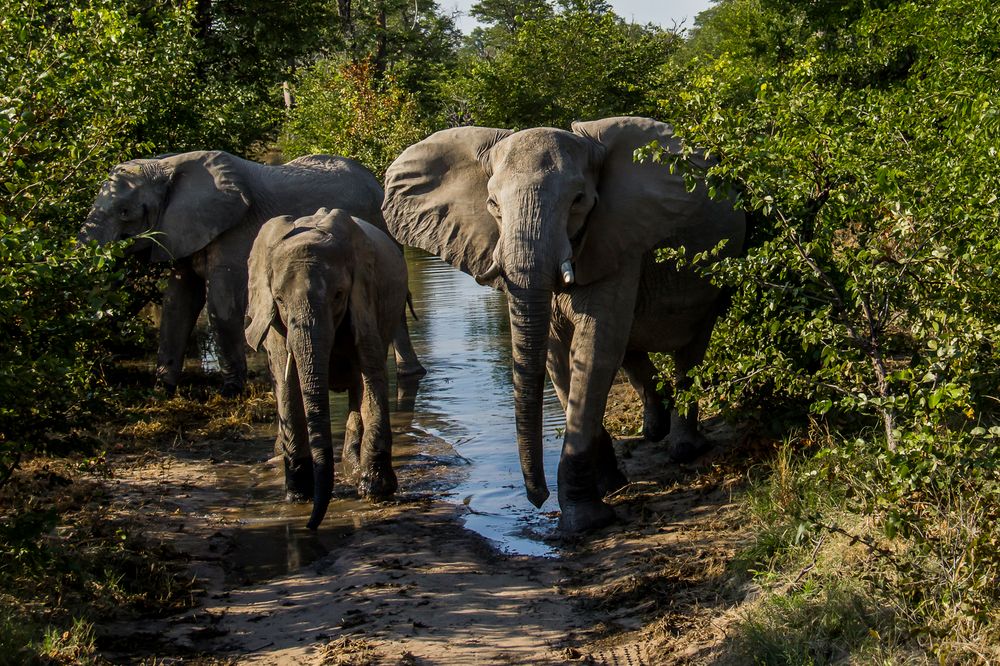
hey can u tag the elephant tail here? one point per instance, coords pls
(409, 302)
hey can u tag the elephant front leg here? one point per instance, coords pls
(377, 480)
(609, 477)
(292, 442)
(227, 303)
(602, 324)
(182, 301)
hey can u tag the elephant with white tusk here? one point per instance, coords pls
(201, 211)
(326, 294)
(566, 223)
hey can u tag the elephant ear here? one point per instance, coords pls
(205, 198)
(640, 205)
(435, 197)
(261, 312)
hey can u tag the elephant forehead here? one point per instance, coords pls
(541, 149)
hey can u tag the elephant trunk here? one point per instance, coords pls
(529, 326)
(311, 350)
(97, 228)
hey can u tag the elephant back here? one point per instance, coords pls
(331, 181)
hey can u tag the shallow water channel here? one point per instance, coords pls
(453, 437)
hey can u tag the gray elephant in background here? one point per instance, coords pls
(326, 295)
(205, 209)
(566, 223)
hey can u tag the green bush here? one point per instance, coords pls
(864, 149)
(342, 109)
(581, 63)
(87, 82)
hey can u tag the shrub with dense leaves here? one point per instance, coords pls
(864, 145)
(580, 63)
(86, 82)
(343, 109)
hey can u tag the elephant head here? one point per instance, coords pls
(313, 281)
(176, 204)
(537, 212)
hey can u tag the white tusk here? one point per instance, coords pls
(491, 273)
(567, 272)
(288, 366)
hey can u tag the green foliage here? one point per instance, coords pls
(85, 79)
(583, 62)
(342, 109)
(861, 137)
(870, 288)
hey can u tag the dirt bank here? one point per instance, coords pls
(405, 583)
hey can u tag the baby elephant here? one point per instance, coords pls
(327, 292)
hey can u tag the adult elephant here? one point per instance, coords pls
(566, 223)
(204, 209)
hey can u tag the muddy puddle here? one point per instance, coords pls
(453, 439)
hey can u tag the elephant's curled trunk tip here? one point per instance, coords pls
(537, 495)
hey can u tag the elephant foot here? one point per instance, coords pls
(410, 370)
(299, 481)
(231, 390)
(377, 485)
(655, 423)
(687, 449)
(584, 516)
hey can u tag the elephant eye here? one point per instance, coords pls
(493, 206)
(123, 213)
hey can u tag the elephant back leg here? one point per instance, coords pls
(642, 375)
(182, 301)
(407, 363)
(292, 441)
(686, 442)
(353, 430)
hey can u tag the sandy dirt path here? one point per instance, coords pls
(406, 583)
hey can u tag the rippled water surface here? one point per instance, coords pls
(466, 400)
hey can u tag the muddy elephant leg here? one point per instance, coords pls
(376, 480)
(596, 353)
(292, 442)
(182, 301)
(351, 455)
(407, 363)
(686, 443)
(641, 375)
(227, 304)
(609, 476)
